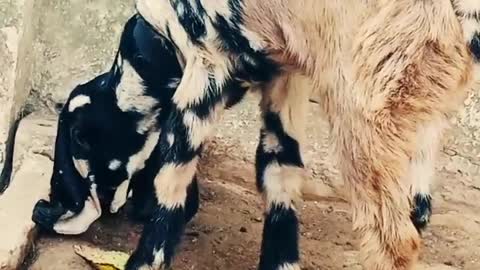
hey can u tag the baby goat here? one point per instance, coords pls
(107, 132)
(386, 74)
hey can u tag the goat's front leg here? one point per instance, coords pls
(198, 98)
(74, 203)
(279, 168)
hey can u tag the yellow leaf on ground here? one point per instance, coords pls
(101, 259)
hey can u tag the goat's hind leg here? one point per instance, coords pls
(375, 166)
(280, 170)
(422, 170)
(399, 87)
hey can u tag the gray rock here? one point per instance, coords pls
(30, 182)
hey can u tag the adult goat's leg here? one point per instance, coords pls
(374, 164)
(422, 170)
(197, 99)
(401, 81)
(280, 170)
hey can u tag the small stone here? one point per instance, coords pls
(243, 229)
(257, 219)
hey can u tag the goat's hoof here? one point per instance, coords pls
(475, 47)
(136, 263)
(422, 211)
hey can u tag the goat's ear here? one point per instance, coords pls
(67, 185)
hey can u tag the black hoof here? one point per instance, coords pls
(45, 214)
(141, 259)
(475, 47)
(422, 211)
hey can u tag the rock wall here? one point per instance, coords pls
(16, 35)
(75, 41)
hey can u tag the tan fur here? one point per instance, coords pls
(172, 194)
(131, 92)
(381, 70)
(82, 167)
(422, 165)
(287, 97)
(119, 197)
(405, 65)
(283, 184)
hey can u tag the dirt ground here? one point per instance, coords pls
(226, 233)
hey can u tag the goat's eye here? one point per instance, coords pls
(139, 59)
(79, 139)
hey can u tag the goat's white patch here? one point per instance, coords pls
(77, 102)
(114, 164)
(201, 128)
(289, 266)
(60, 171)
(119, 61)
(170, 138)
(270, 143)
(150, 10)
(173, 83)
(467, 6)
(193, 86)
(81, 222)
(147, 122)
(422, 165)
(215, 8)
(470, 28)
(180, 8)
(82, 166)
(137, 161)
(120, 197)
(145, 267)
(131, 92)
(282, 183)
(171, 183)
(67, 215)
(158, 258)
(255, 42)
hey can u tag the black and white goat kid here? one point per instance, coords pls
(107, 131)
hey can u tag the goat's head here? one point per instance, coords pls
(109, 125)
(112, 118)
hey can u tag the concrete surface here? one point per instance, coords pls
(16, 59)
(31, 180)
